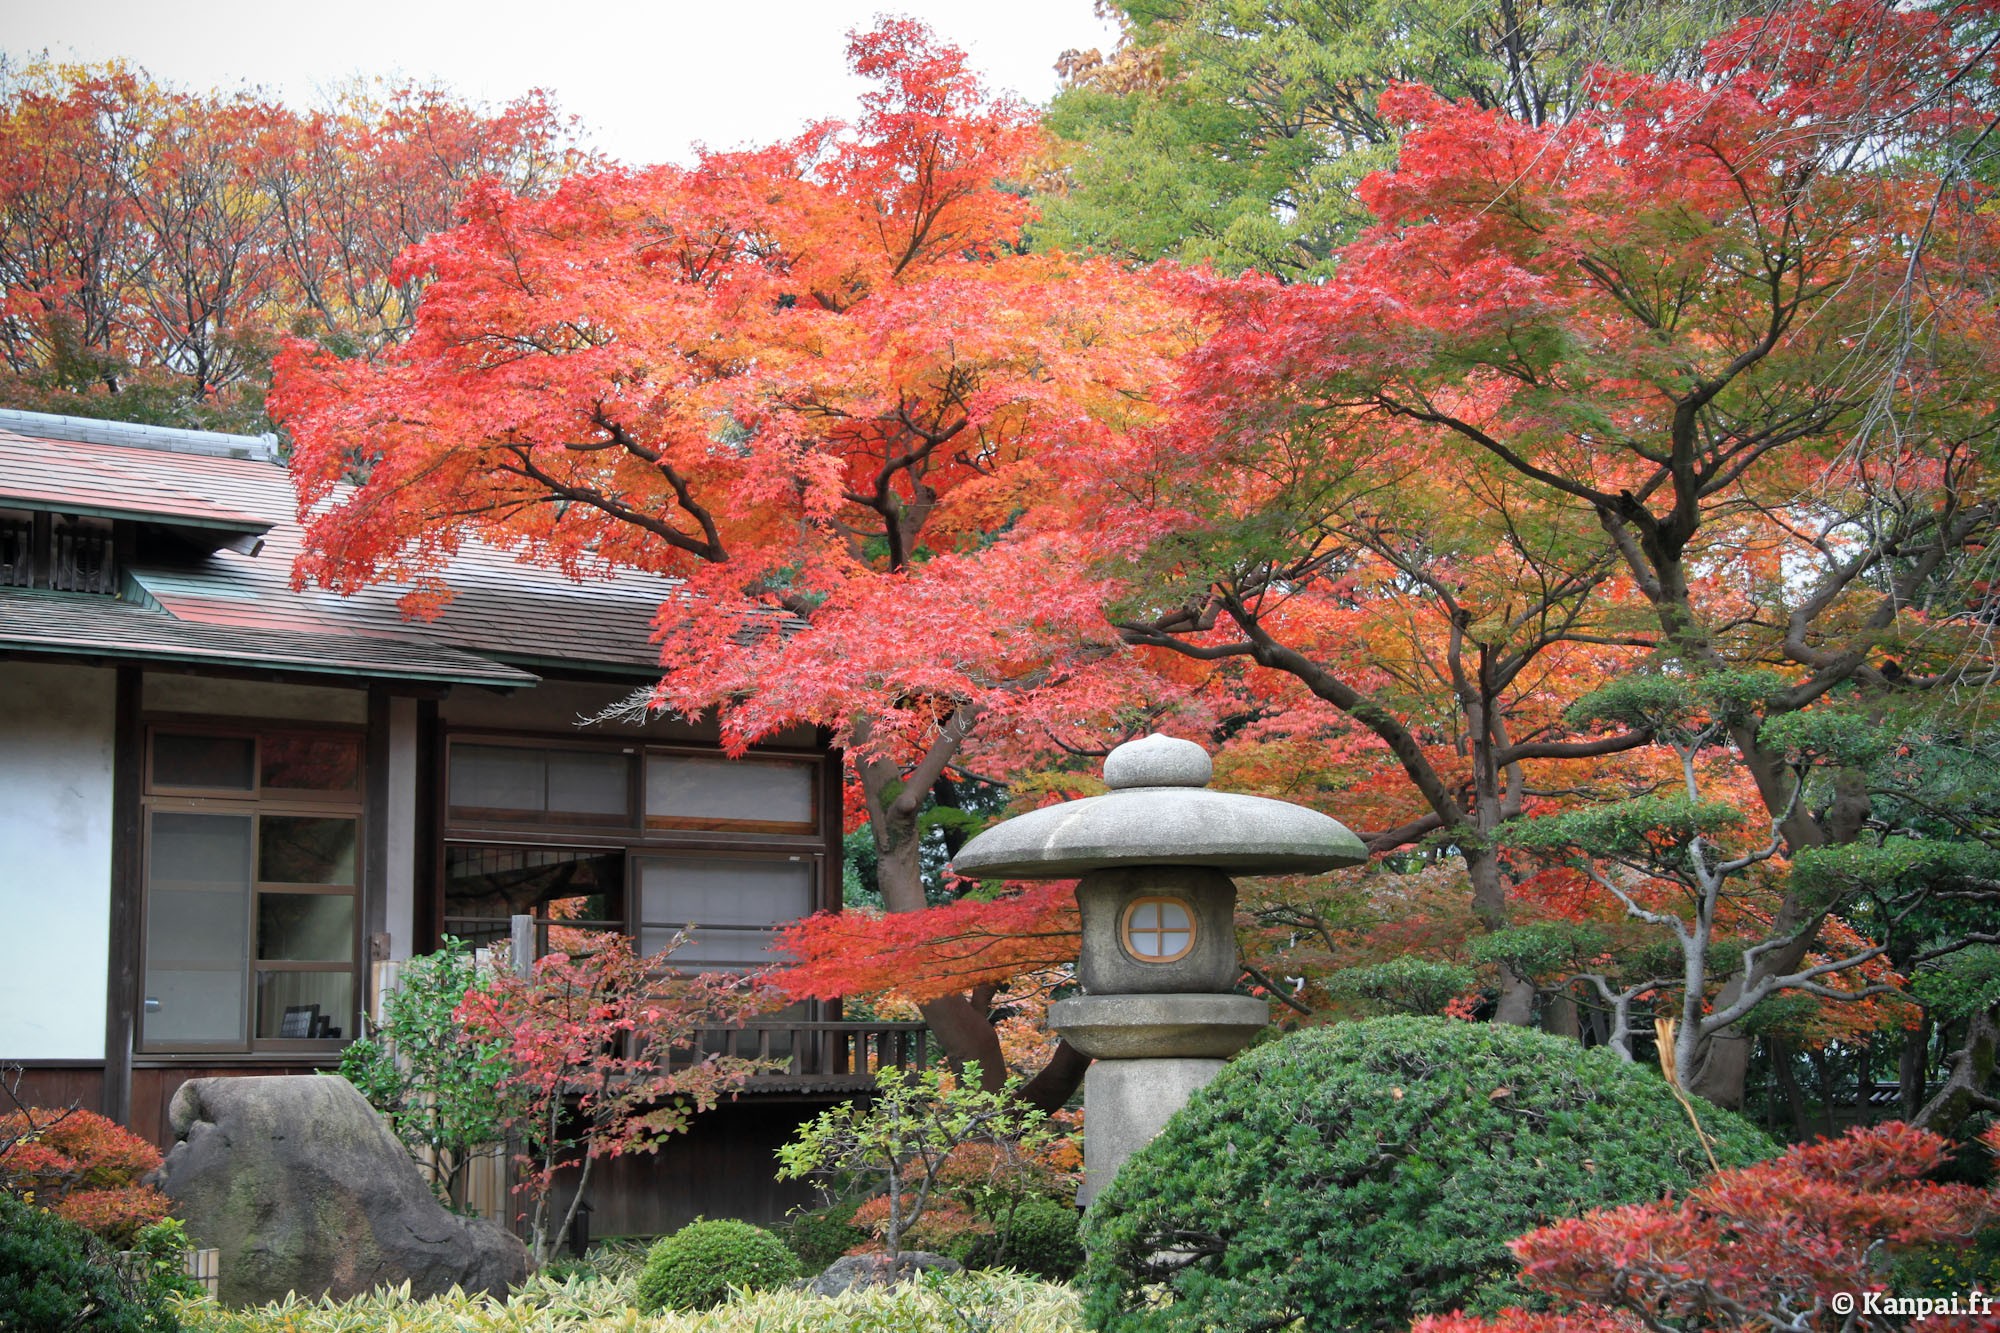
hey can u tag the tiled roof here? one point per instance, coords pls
(78, 478)
(503, 609)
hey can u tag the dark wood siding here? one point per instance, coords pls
(57, 1085)
(724, 1166)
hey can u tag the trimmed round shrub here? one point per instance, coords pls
(695, 1267)
(1359, 1175)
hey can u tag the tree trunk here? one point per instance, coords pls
(960, 1022)
(1788, 1087)
(1969, 1087)
(1560, 1017)
(1516, 1005)
(1051, 1089)
(1913, 1069)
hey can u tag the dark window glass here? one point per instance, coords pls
(304, 849)
(225, 763)
(519, 780)
(305, 927)
(484, 886)
(297, 1005)
(312, 763)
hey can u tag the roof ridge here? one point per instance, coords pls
(168, 439)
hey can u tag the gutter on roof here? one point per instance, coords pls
(91, 430)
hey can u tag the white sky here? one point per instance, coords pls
(648, 80)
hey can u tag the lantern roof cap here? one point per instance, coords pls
(1159, 811)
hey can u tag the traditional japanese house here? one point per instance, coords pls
(227, 799)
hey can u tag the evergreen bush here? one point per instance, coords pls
(1041, 1237)
(695, 1267)
(1359, 1175)
(55, 1278)
(820, 1235)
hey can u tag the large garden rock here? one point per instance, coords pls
(856, 1271)
(304, 1188)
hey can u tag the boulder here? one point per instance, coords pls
(304, 1189)
(855, 1271)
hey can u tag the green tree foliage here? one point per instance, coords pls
(1233, 132)
(694, 1268)
(1402, 985)
(1358, 1175)
(438, 1087)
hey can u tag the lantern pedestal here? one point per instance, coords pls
(1125, 1105)
(1150, 1053)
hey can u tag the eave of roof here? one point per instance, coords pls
(505, 609)
(38, 621)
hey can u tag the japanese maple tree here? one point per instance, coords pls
(819, 382)
(1710, 364)
(601, 1057)
(156, 243)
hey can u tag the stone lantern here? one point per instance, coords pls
(1153, 859)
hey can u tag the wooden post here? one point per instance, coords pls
(122, 997)
(522, 950)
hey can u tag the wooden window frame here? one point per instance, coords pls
(1163, 900)
(254, 804)
(513, 818)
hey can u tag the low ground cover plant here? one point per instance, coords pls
(990, 1302)
(1359, 1175)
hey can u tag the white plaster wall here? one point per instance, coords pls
(169, 693)
(400, 892)
(56, 730)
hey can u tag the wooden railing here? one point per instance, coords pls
(807, 1050)
(830, 1055)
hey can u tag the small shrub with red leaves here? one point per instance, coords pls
(1792, 1244)
(83, 1167)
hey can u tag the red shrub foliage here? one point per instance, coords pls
(1793, 1243)
(82, 1166)
(115, 1214)
(106, 1154)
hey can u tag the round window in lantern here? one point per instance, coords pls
(1158, 930)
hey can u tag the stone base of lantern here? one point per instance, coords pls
(1151, 1053)
(1125, 1105)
